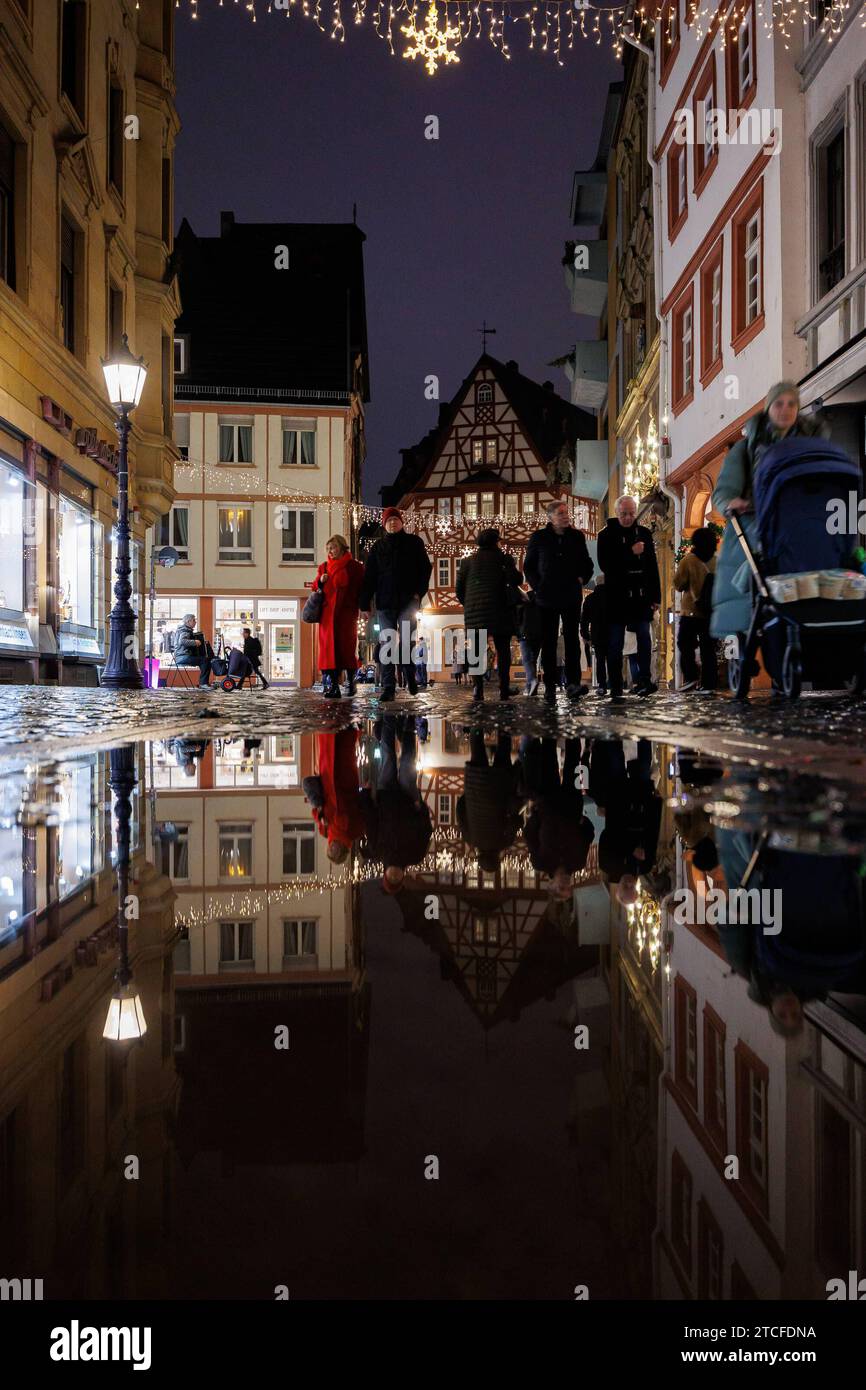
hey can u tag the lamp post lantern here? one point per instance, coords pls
(125, 1019)
(124, 379)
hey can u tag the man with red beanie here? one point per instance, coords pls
(396, 577)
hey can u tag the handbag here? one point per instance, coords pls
(314, 606)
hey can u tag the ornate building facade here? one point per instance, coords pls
(87, 132)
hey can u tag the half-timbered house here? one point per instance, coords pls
(504, 446)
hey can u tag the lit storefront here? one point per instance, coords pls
(19, 527)
(80, 554)
(275, 621)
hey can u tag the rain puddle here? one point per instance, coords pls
(412, 1011)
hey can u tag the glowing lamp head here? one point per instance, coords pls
(125, 1019)
(125, 376)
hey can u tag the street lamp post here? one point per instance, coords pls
(124, 379)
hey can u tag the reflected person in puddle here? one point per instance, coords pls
(627, 797)
(818, 946)
(333, 792)
(488, 812)
(397, 821)
(558, 834)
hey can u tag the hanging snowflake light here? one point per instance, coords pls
(431, 43)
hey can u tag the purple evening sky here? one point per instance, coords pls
(280, 123)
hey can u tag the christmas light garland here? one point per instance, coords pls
(432, 30)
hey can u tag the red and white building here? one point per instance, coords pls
(733, 232)
(503, 448)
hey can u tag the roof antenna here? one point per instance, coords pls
(485, 334)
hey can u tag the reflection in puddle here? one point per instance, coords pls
(416, 1011)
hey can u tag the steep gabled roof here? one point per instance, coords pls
(276, 331)
(546, 418)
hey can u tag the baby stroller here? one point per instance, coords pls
(238, 669)
(794, 482)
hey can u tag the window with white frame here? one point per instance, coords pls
(299, 444)
(477, 452)
(687, 351)
(235, 850)
(491, 451)
(181, 354)
(487, 504)
(299, 848)
(757, 1128)
(174, 855)
(181, 433)
(485, 393)
(716, 313)
(457, 507)
(511, 505)
(443, 573)
(235, 439)
(752, 255)
(235, 535)
(300, 941)
(299, 535)
(444, 808)
(237, 942)
(745, 55)
(528, 504)
(471, 507)
(443, 506)
(173, 529)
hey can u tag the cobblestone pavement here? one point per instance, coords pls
(822, 733)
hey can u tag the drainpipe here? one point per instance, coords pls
(669, 492)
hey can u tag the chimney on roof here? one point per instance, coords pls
(227, 222)
(511, 366)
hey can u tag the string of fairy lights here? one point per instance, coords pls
(250, 486)
(432, 31)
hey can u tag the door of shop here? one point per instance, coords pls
(282, 651)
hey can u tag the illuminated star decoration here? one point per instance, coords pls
(431, 43)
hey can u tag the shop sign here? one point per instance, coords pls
(15, 635)
(80, 646)
(278, 609)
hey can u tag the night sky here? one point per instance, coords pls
(280, 123)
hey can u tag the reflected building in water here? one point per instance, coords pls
(540, 876)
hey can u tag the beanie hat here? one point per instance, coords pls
(389, 512)
(781, 388)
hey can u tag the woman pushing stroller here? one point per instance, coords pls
(780, 419)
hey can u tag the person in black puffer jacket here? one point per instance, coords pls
(396, 576)
(488, 588)
(626, 555)
(594, 630)
(557, 566)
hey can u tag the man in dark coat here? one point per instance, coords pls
(557, 566)
(396, 576)
(488, 587)
(626, 792)
(253, 654)
(626, 555)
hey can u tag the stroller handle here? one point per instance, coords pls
(747, 550)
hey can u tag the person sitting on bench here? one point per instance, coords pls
(253, 654)
(191, 649)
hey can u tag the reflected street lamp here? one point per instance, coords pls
(125, 1018)
(124, 380)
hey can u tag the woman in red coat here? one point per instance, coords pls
(340, 578)
(340, 817)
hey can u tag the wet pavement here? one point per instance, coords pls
(488, 1004)
(822, 731)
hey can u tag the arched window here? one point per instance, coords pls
(485, 394)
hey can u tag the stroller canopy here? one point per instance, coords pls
(794, 482)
